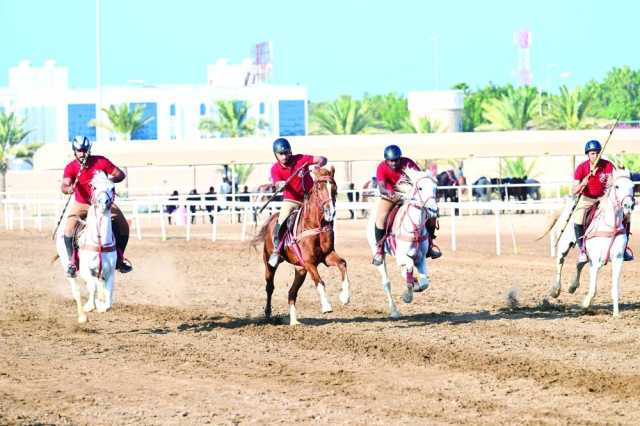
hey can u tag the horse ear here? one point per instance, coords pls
(411, 174)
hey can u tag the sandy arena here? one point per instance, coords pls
(186, 342)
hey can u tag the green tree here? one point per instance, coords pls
(513, 111)
(242, 172)
(344, 116)
(233, 121)
(426, 125)
(122, 121)
(626, 161)
(517, 167)
(390, 113)
(569, 110)
(617, 94)
(25, 152)
(11, 134)
(472, 115)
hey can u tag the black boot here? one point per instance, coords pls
(378, 257)
(121, 245)
(71, 268)
(579, 230)
(628, 254)
(274, 259)
(434, 251)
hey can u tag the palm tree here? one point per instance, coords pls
(390, 113)
(513, 111)
(11, 134)
(426, 125)
(242, 172)
(569, 110)
(233, 121)
(122, 121)
(517, 167)
(344, 116)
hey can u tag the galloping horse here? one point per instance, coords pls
(409, 241)
(309, 242)
(97, 250)
(605, 237)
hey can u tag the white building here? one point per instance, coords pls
(443, 108)
(55, 113)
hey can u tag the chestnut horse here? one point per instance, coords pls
(310, 243)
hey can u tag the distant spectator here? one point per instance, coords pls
(170, 208)
(225, 189)
(193, 196)
(210, 198)
(351, 196)
(243, 197)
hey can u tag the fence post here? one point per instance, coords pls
(214, 225)
(163, 229)
(497, 215)
(453, 228)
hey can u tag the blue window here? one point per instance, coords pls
(292, 119)
(79, 116)
(261, 107)
(203, 109)
(150, 113)
(172, 110)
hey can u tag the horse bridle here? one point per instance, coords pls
(421, 203)
(324, 198)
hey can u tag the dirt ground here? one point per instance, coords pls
(186, 342)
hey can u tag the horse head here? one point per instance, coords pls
(620, 190)
(103, 192)
(324, 192)
(422, 192)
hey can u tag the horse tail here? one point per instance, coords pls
(262, 234)
(551, 222)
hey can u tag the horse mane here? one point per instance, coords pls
(100, 179)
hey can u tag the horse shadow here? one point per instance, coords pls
(544, 310)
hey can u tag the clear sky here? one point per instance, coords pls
(331, 47)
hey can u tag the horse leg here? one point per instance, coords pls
(269, 274)
(576, 280)
(423, 278)
(300, 275)
(320, 288)
(386, 285)
(334, 260)
(407, 296)
(562, 254)
(594, 267)
(616, 270)
(75, 290)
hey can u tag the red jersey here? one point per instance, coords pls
(596, 183)
(83, 187)
(299, 184)
(388, 177)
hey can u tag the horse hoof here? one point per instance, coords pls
(82, 319)
(554, 292)
(573, 288)
(327, 309)
(417, 287)
(89, 308)
(345, 298)
(586, 303)
(407, 297)
(394, 314)
(294, 323)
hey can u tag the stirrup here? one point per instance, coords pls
(435, 253)
(628, 255)
(274, 259)
(71, 270)
(378, 259)
(124, 266)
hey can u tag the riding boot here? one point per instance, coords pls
(121, 244)
(434, 251)
(579, 230)
(378, 257)
(628, 254)
(71, 267)
(274, 259)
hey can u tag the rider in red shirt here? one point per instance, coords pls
(590, 180)
(77, 180)
(294, 190)
(388, 174)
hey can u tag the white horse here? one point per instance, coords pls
(606, 239)
(409, 235)
(97, 251)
